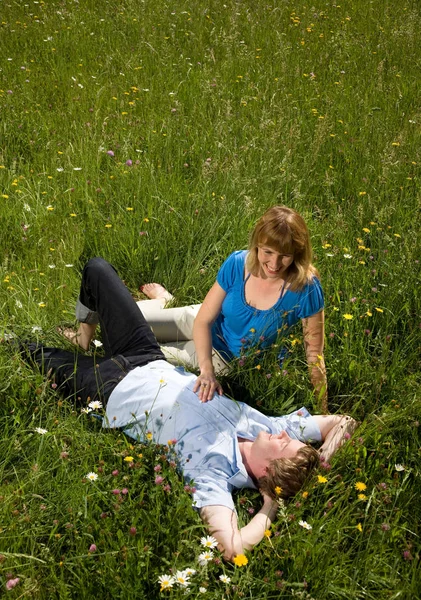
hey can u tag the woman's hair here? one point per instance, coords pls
(289, 474)
(284, 230)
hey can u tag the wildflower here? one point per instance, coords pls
(95, 405)
(92, 548)
(321, 479)
(158, 480)
(91, 476)
(225, 578)
(369, 313)
(86, 411)
(166, 582)
(240, 560)
(64, 455)
(380, 310)
(97, 343)
(304, 494)
(348, 317)
(366, 230)
(399, 468)
(11, 583)
(202, 590)
(359, 527)
(41, 431)
(347, 255)
(208, 542)
(189, 572)
(182, 579)
(129, 162)
(360, 486)
(278, 490)
(385, 526)
(149, 435)
(108, 225)
(267, 533)
(305, 525)
(362, 497)
(205, 557)
(110, 153)
(128, 458)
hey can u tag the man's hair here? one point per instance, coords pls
(289, 474)
(284, 230)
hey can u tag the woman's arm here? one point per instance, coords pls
(206, 384)
(314, 332)
(223, 525)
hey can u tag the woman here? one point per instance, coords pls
(258, 296)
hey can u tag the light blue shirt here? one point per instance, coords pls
(158, 399)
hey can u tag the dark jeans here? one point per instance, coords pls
(128, 340)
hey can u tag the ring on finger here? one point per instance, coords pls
(204, 384)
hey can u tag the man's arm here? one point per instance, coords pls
(335, 430)
(223, 525)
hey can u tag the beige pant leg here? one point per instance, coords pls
(184, 353)
(169, 324)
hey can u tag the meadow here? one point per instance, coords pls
(154, 134)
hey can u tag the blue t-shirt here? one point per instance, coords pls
(239, 326)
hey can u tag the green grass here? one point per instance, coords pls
(224, 109)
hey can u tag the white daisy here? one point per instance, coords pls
(205, 557)
(182, 579)
(41, 431)
(166, 582)
(208, 541)
(91, 476)
(305, 525)
(97, 343)
(86, 410)
(95, 405)
(225, 578)
(399, 468)
(203, 590)
(189, 572)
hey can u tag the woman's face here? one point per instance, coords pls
(273, 264)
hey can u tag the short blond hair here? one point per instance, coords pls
(289, 474)
(284, 230)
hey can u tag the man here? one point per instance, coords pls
(222, 445)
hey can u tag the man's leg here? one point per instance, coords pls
(105, 299)
(83, 377)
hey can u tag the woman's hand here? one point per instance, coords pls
(206, 385)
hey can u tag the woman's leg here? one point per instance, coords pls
(169, 324)
(184, 353)
(105, 299)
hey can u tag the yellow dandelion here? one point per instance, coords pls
(360, 486)
(369, 313)
(267, 533)
(397, 235)
(240, 560)
(146, 220)
(321, 479)
(380, 310)
(366, 229)
(149, 436)
(129, 208)
(128, 458)
(348, 317)
(278, 490)
(4, 196)
(258, 367)
(362, 193)
(362, 497)
(305, 494)
(108, 225)
(396, 144)
(359, 527)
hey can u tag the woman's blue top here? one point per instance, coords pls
(239, 326)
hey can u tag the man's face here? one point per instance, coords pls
(270, 446)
